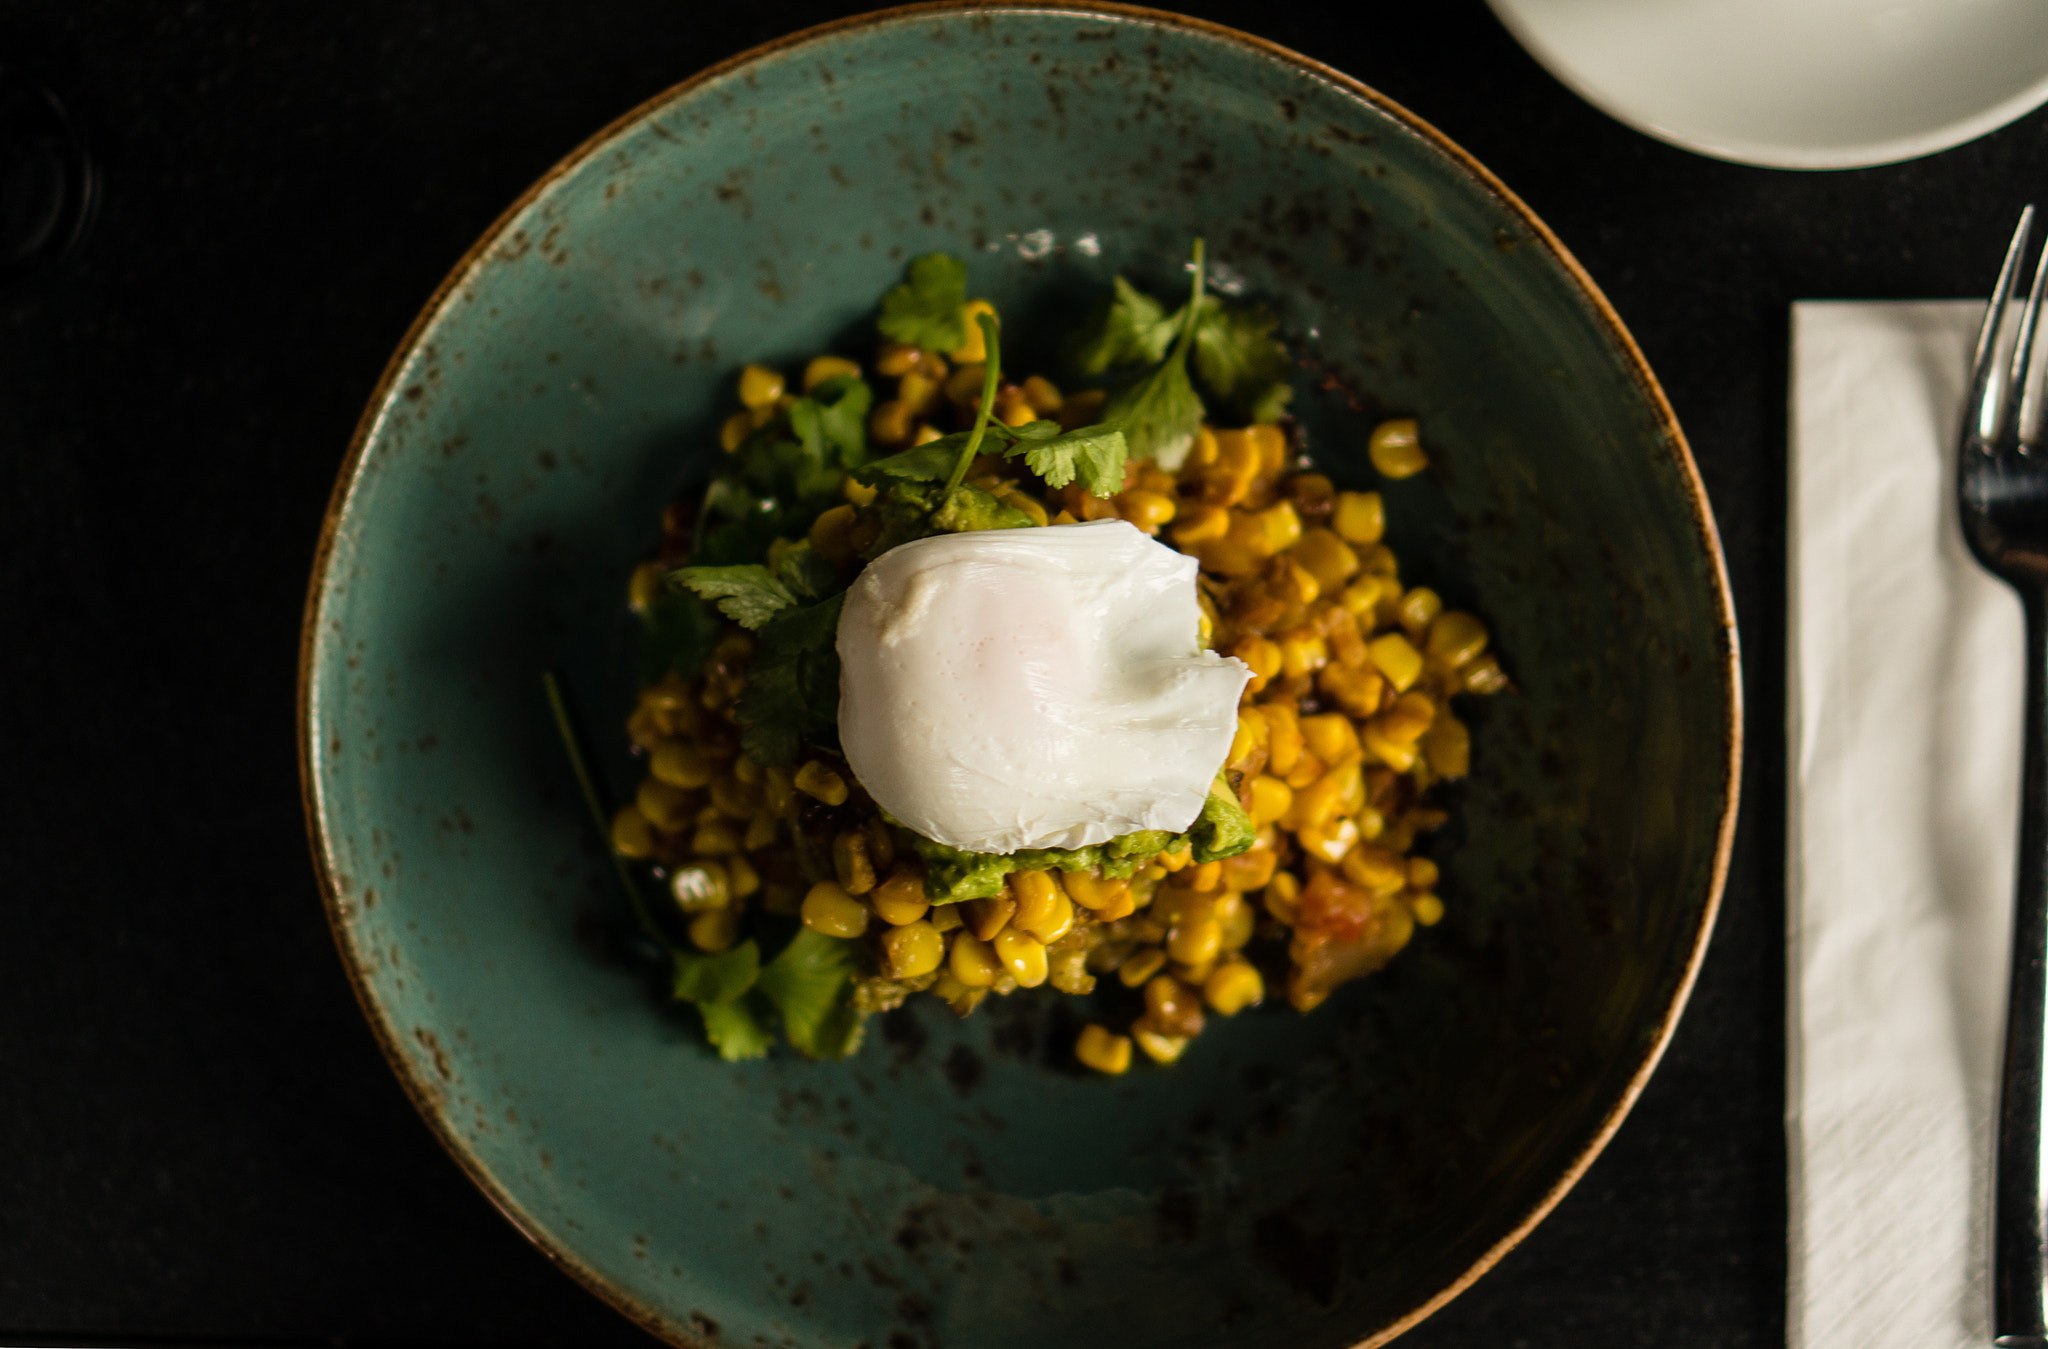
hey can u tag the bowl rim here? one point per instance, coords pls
(1728, 657)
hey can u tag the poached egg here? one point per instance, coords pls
(1033, 688)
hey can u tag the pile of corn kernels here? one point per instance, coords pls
(1345, 725)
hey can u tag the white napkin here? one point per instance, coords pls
(1903, 706)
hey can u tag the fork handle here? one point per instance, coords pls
(2019, 1259)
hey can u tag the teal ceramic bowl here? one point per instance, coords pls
(1301, 1181)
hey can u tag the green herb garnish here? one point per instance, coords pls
(926, 310)
(792, 693)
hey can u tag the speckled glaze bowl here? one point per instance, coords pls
(1300, 1181)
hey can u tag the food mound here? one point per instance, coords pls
(1293, 865)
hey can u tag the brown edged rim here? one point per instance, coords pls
(657, 1322)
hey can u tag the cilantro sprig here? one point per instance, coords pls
(926, 310)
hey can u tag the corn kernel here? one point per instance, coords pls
(666, 807)
(925, 434)
(1282, 896)
(1031, 506)
(1396, 450)
(1359, 517)
(1395, 658)
(1159, 1048)
(1123, 902)
(813, 779)
(1023, 956)
(1091, 891)
(1283, 738)
(761, 830)
(891, 423)
(735, 799)
(734, 430)
(963, 386)
(987, 917)
(1147, 510)
(946, 917)
(900, 899)
(829, 909)
(1331, 737)
(1395, 754)
(1483, 675)
(1176, 860)
(760, 386)
(1011, 407)
(895, 358)
(1042, 394)
(1447, 745)
(1455, 638)
(975, 348)
(1233, 986)
(1428, 910)
(1308, 770)
(911, 950)
(973, 962)
(1103, 1050)
(1250, 735)
(1277, 528)
(1356, 689)
(632, 835)
(1332, 841)
(1043, 909)
(742, 877)
(1141, 965)
(1418, 609)
(1362, 598)
(714, 929)
(823, 368)
(701, 886)
(1249, 870)
(1271, 443)
(1196, 525)
(851, 863)
(1377, 871)
(1172, 1007)
(1196, 940)
(715, 838)
(1271, 799)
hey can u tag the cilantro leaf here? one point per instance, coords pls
(1240, 360)
(740, 1029)
(705, 979)
(1094, 453)
(930, 462)
(792, 692)
(1160, 414)
(749, 594)
(804, 571)
(832, 421)
(808, 983)
(1131, 329)
(926, 310)
(970, 509)
(677, 632)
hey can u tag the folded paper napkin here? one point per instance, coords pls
(1903, 702)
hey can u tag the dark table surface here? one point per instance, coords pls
(198, 1139)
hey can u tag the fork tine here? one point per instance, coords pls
(2028, 391)
(1981, 411)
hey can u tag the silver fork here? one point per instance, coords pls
(2002, 490)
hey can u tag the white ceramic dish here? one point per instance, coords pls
(1796, 84)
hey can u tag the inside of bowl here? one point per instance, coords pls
(1295, 1180)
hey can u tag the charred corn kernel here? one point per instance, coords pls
(1396, 659)
(734, 430)
(975, 348)
(1233, 986)
(761, 830)
(823, 368)
(734, 799)
(1091, 891)
(714, 929)
(1277, 528)
(701, 886)
(1042, 394)
(1395, 754)
(963, 386)
(1320, 801)
(900, 899)
(1422, 874)
(1362, 598)
(891, 422)
(1262, 654)
(1228, 557)
(1411, 715)
(911, 950)
(1340, 629)
(632, 835)
(986, 918)
(973, 961)
(816, 780)
(1447, 745)
(1354, 688)
(1418, 609)
(1377, 871)
(1068, 970)
(1023, 957)
(1103, 1050)
(1226, 481)
(1396, 450)
(946, 917)
(1172, 1007)
(760, 386)
(1331, 737)
(1030, 505)
(645, 729)
(895, 358)
(1308, 770)
(1428, 909)
(1302, 651)
(830, 910)
(1159, 1048)
(1455, 638)
(1271, 443)
(1292, 583)
(1196, 940)
(1282, 896)
(1141, 965)
(1328, 558)
(1359, 517)
(851, 863)
(1196, 525)
(1147, 510)
(1271, 799)
(1249, 870)
(646, 586)
(1283, 738)
(1483, 675)
(1043, 909)
(1332, 841)
(715, 839)
(741, 875)
(667, 808)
